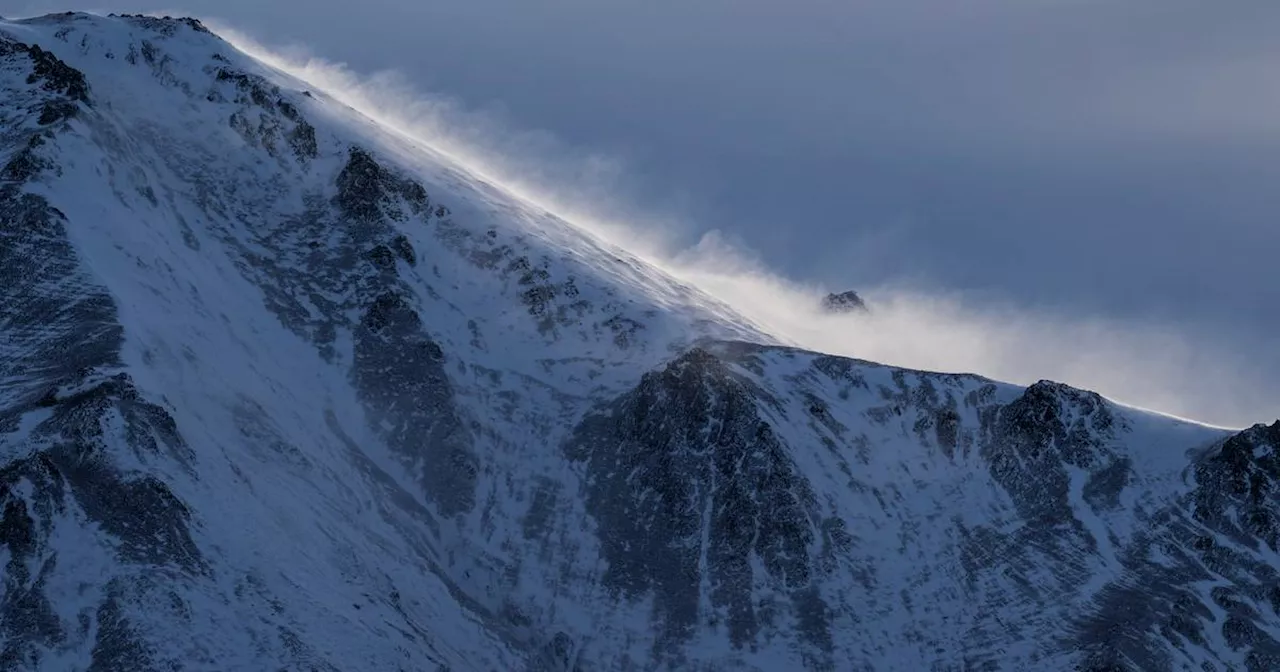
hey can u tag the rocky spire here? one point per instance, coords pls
(844, 302)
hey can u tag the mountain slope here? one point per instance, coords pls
(283, 389)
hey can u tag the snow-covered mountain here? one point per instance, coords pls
(281, 389)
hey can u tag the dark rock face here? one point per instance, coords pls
(56, 92)
(262, 106)
(140, 511)
(1156, 614)
(675, 525)
(54, 75)
(1220, 534)
(118, 646)
(64, 336)
(553, 302)
(54, 111)
(27, 618)
(558, 655)
(25, 164)
(163, 25)
(1033, 440)
(404, 249)
(1238, 488)
(369, 192)
(397, 368)
(844, 302)
(400, 374)
(1236, 496)
(353, 274)
(68, 474)
(57, 321)
(689, 486)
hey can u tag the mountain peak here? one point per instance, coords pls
(282, 390)
(165, 23)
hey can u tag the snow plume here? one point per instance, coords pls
(1154, 366)
(585, 188)
(1145, 364)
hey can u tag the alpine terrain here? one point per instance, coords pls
(282, 389)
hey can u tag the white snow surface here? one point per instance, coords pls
(324, 550)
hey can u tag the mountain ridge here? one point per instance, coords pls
(309, 398)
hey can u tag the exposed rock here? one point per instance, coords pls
(54, 75)
(1238, 487)
(400, 374)
(368, 191)
(684, 468)
(404, 250)
(56, 110)
(844, 302)
(27, 163)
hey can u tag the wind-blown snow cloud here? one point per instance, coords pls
(1149, 364)
(1065, 189)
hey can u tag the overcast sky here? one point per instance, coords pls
(1096, 158)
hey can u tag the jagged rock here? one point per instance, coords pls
(844, 302)
(367, 190)
(27, 162)
(54, 75)
(689, 484)
(56, 110)
(404, 250)
(1239, 487)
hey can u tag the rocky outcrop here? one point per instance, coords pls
(399, 372)
(1238, 488)
(698, 505)
(1032, 441)
(843, 303)
(265, 116)
(54, 75)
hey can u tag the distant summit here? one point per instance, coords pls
(844, 302)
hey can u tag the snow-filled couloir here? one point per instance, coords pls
(279, 390)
